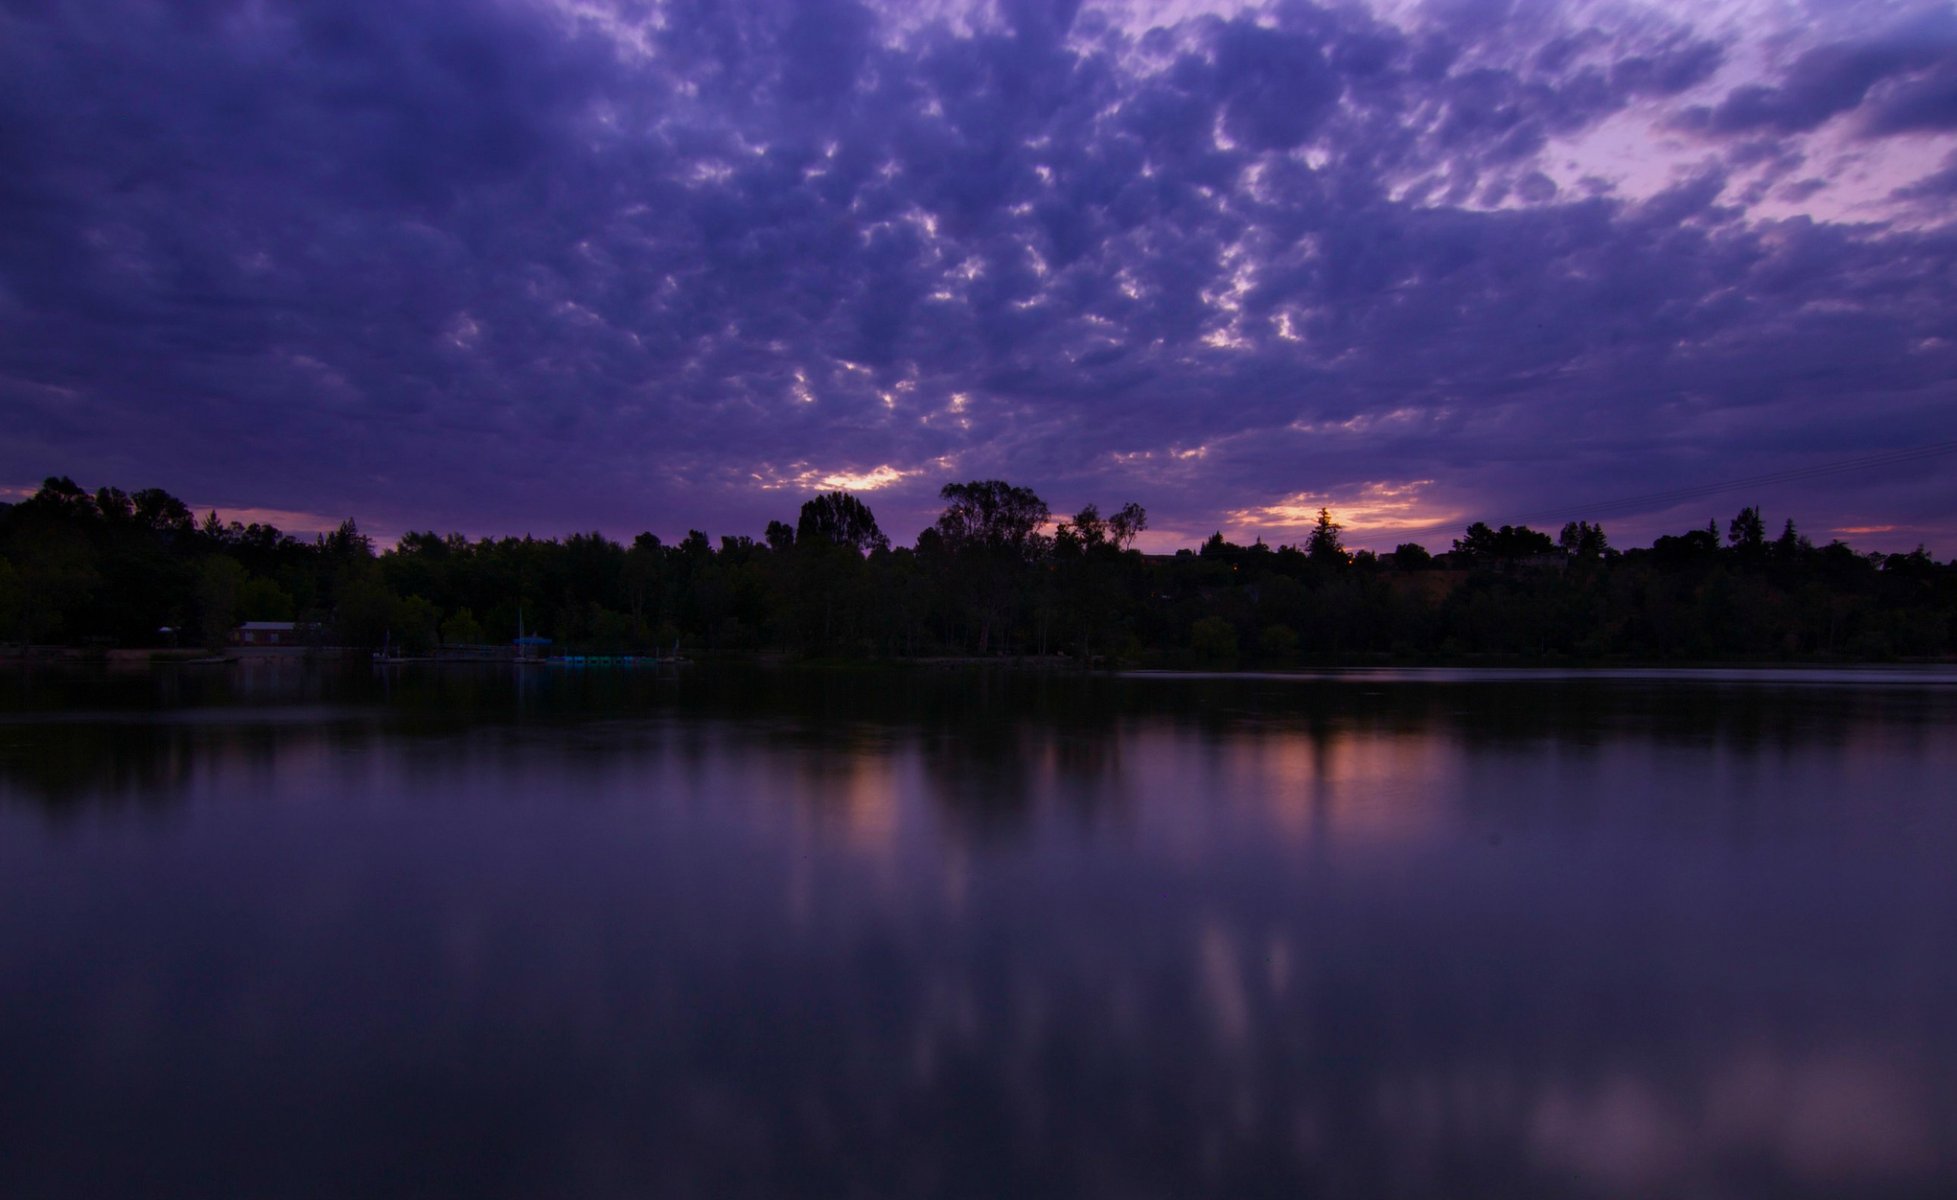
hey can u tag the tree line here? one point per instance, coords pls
(995, 574)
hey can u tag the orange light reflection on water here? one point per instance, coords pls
(1366, 787)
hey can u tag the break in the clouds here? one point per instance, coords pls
(507, 266)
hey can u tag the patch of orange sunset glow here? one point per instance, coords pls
(1384, 508)
(801, 477)
(285, 519)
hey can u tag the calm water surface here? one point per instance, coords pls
(270, 932)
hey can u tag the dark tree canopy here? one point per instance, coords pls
(1509, 542)
(991, 515)
(1411, 556)
(1747, 531)
(86, 569)
(1089, 531)
(839, 519)
(1581, 539)
(1325, 544)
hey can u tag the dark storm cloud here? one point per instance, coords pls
(502, 265)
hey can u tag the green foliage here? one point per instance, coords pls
(1278, 643)
(12, 600)
(219, 580)
(1213, 640)
(262, 599)
(413, 623)
(365, 612)
(462, 629)
(57, 561)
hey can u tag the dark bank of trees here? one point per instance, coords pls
(995, 574)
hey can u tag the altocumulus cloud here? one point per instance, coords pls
(658, 265)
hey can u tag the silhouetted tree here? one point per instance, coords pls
(1091, 531)
(1692, 546)
(162, 513)
(1411, 556)
(1324, 545)
(1747, 532)
(1791, 546)
(840, 519)
(1091, 560)
(990, 535)
(110, 566)
(991, 514)
(1510, 542)
(1581, 539)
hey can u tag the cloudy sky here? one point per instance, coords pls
(660, 264)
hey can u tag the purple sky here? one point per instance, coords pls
(509, 267)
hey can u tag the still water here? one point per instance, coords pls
(272, 932)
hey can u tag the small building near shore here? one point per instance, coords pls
(266, 633)
(530, 647)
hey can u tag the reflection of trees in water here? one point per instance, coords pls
(67, 768)
(1573, 1016)
(983, 778)
(992, 742)
(1142, 1048)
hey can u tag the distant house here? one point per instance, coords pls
(531, 646)
(266, 633)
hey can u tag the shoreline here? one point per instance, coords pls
(89, 658)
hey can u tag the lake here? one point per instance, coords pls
(270, 931)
